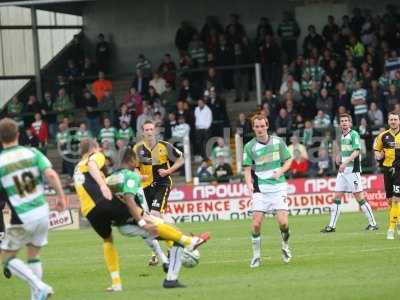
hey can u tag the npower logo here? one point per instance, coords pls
(220, 191)
(328, 184)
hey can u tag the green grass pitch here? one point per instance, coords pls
(349, 264)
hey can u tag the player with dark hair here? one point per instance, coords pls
(387, 151)
(154, 158)
(125, 184)
(348, 179)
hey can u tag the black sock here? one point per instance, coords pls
(285, 234)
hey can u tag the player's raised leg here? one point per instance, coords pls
(171, 233)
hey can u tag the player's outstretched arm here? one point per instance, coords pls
(55, 182)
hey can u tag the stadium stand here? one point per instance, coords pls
(350, 65)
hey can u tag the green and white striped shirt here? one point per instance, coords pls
(221, 151)
(64, 140)
(124, 182)
(21, 170)
(360, 94)
(80, 135)
(348, 144)
(108, 134)
(125, 134)
(266, 159)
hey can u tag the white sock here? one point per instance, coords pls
(335, 213)
(256, 244)
(155, 246)
(22, 271)
(366, 208)
(36, 266)
(175, 263)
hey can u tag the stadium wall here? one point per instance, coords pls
(231, 201)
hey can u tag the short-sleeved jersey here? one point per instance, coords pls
(63, 139)
(86, 187)
(125, 181)
(350, 142)
(125, 134)
(80, 135)
(152, 160)
(266, 158)
(389, 143)
(108, 135)
(21, 180)
(221, 151)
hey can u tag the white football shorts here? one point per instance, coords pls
(269, 202)
(348, 183)
(34, 233)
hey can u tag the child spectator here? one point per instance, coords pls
(125, 133)
(108, 133)
(82, 133)
(204, 172)
(223, 170)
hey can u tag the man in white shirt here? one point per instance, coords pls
(290, 83)
(295, 145)
(322, 120)
(158, 83)
(203, 121)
